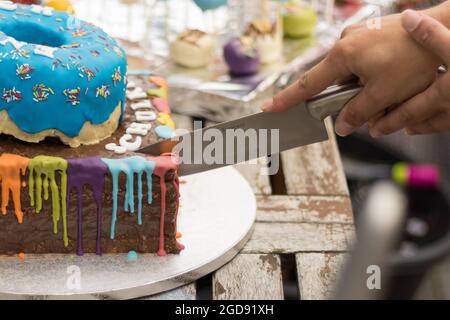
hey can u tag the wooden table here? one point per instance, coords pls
(310, 224)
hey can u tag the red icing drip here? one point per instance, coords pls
(164, 164)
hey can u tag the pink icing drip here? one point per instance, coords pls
(164, 164)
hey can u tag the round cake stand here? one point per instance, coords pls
(216, 217)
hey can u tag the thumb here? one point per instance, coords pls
(428, 32)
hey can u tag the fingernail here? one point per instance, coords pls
(411, 20)
(375, 133)
(410, 132)
(267, 106)
(343, 129)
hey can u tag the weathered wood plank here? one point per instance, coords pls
(443, 278)
(253, 173)
(249, 276)
(315, 169)
(318, 274)
(187, 292)
(313, 209)
(436, 285)
(299, 237)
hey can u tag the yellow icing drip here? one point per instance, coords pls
(43, 174)
(12, 168)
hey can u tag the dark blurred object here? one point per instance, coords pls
(380, 224)
(425, 237)
(420, 176)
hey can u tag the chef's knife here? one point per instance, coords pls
(296, 127)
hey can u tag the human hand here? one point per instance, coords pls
(390, 65)
(429, 111)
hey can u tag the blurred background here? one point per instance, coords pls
(213, 92)
(223, 58)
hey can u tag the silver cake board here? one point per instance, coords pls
(218, 210)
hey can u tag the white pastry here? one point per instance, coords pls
(193, 49)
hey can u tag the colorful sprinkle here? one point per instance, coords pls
(79, 33)
(41, 93)
(117, 76)
(71, 46)
(11, 95)
(118, 51)
(103, 91)
(73, 96)
(86, 72)
(24, 71)
(20, 53)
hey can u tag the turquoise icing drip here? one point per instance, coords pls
(164, 132)
(94, 51)
(130, 167)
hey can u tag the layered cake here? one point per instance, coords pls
(71, 122)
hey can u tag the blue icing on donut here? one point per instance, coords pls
(58, 72)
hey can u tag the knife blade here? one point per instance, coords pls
(255, 136)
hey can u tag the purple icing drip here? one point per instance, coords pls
(92, 172)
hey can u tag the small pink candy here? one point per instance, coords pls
(161, 105)
(423, 176)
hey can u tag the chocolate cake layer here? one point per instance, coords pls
(36, 233)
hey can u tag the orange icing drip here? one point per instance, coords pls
(12, 167)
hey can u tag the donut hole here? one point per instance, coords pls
(33, 33)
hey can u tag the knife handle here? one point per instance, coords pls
(332, 100)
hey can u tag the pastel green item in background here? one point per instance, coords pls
(43, 174)
(400, 173)
(299, 20)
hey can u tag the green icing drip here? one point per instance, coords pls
(43, 172)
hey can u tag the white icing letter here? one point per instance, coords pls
(136, 94)
(145, 116)
(145, 104)
(115, 148)
(131, 85)
(131, 146)
(139, 128)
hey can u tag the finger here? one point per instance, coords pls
(436, 124)
(367, 104)
(428, 32)
(350, 29)
(371, 123)
(417, 109)
(311, 83)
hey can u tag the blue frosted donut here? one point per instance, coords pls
(57, 72)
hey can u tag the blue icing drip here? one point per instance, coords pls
(164, 132)
(131, 167)
(68, 69)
